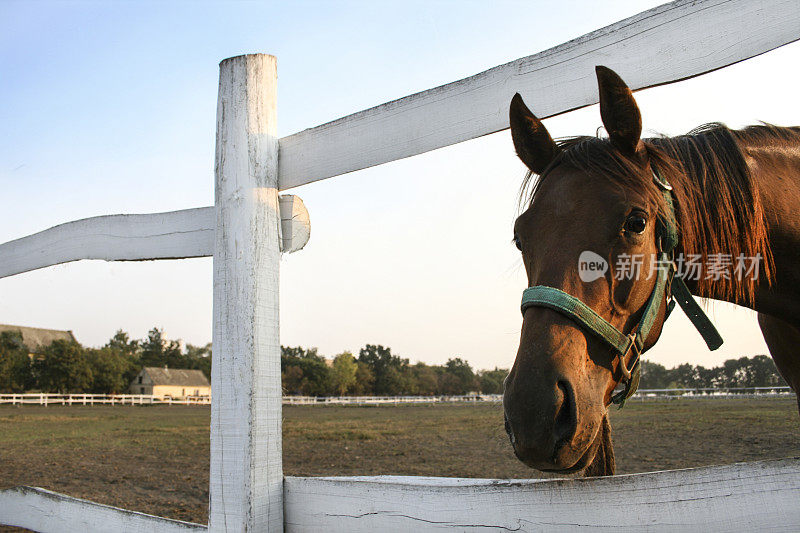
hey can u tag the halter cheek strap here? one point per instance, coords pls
(667, 287)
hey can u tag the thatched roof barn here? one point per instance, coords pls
(37, 338)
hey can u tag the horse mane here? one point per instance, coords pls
(718, 205)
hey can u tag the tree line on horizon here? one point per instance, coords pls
(68, 367)
(756, 371)
(375, 371)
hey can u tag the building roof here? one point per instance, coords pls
(176, 376)
(37, 338)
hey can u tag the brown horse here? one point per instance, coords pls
(735, 194)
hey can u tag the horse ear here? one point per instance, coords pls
(533, 144)
(618, 109)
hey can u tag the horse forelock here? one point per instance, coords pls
(718, 205)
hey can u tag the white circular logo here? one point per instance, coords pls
(591, 266)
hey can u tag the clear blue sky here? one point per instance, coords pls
(110, 108)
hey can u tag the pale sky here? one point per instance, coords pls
(110, 108)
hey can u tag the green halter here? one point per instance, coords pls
(667, 287)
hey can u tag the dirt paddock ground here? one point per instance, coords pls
(155, 459)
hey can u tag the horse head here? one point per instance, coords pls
(596, 206)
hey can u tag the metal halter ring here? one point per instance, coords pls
(625, 372)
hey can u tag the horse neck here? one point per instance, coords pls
(775, 168)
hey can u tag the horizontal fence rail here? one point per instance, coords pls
(42, 510)
(45, 399)
(173, 235)
(665, 44)
(758, 496)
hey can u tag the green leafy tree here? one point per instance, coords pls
(706, 377)
(63, 368)
(15, 365)
(343, 372)
(365, 380)
(122, 343)
(653, 376)
(292, 380)
(111, 370)
(408, 380)
(390, 373)
(129, 350)
(315, 376)
(449, 384)
(158, 351)
(765, 373)
(684, 377)
(757, 371)
(464, 377)
(199, 358)
(426, 379)
(732, 373)
(392, 382)
(491, 381)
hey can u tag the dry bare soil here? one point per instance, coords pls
(155, 459)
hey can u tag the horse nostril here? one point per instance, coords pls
(566, 423)
(509, 432)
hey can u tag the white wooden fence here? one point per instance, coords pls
(246, 230)
(46, 399)
(731, 393)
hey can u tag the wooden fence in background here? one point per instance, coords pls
(45, 399)
(246, 230)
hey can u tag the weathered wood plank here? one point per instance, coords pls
(759, 496)
(42, 510)
(173, 235)
(668, 43)
(246, 477)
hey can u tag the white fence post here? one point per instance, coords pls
(246, 478)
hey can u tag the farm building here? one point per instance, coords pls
(36, 339)
(172, 382)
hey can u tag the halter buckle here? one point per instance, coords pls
(625, 371)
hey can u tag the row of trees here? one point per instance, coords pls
(66, 366)
(69, 367)
(376, 371)
(758, 371)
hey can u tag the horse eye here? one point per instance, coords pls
(517, 243)
(635, 224)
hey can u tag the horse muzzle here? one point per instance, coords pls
(543, 431)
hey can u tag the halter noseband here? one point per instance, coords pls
(667, 287)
